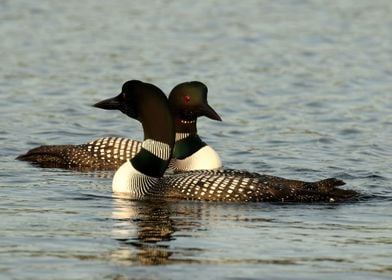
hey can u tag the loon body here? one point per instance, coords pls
(187, 102)
(142, 177)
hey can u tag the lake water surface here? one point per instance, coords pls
(304, 89)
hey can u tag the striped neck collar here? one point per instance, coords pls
(153, 158)
(182, 135)
(159, 149)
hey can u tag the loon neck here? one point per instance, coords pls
(187, 140)
(157, 121)
(154, 157)
(184, 128)
(187, 146)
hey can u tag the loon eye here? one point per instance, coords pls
(186, 98)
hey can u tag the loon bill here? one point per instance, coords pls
(187, 102)
(142, 177)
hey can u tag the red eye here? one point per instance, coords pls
(187, 98)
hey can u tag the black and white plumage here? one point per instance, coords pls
(142, 177)
(187, 102)
(226, 185)
(106, 153)
(235, 185)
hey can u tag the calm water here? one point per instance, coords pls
(304, 89)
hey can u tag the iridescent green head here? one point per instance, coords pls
(188, 101)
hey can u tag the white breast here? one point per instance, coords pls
(132, 182)
(205, 158)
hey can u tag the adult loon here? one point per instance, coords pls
(142, 177)
(187, 102)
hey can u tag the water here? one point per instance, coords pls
(304, 89)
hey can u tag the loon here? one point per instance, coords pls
(143, 176)
(187, 102)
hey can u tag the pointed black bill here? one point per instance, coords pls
(114, 103)
(207, 111)
(118, 103)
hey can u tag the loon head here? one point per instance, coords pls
(146, 103)
(188, 101)
(131, 99)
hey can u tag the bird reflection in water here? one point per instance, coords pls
(145, 230)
